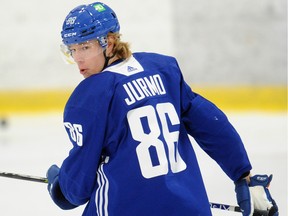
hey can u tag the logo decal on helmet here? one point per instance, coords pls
(99, 7)
(71, 20)
(72, 34)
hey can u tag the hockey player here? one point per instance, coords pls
(129, 122)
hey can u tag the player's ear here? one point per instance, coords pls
(110, 45)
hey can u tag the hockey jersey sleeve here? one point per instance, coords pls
(85, 120)
(211, 129)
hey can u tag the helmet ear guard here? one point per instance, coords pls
(103, 41)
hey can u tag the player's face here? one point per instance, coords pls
(88, 56)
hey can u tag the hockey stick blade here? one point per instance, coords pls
(237, 209)
(24, 177)
(225, 207)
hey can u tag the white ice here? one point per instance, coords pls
(30, 144)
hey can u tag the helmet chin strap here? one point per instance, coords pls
(107, 58)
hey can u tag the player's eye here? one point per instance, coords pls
(85, 47)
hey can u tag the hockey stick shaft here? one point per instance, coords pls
(24, 177)
(45, 180)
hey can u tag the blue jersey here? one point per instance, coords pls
(131, 153)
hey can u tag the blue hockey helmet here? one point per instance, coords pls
(89, 22)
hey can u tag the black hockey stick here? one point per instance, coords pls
(45, 180)
(24, 177)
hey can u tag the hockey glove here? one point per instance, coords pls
(55, 190)
(254, 198)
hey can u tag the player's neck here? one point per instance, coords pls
(112, 60)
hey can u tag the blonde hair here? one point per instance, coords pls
(121, 49)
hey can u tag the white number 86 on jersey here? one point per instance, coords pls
(151, 139)
(75, 131)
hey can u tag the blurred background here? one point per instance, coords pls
(232, 52)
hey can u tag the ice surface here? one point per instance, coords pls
(30, 144)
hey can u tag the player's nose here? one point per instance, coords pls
(78, 57)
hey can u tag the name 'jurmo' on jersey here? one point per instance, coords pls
(143, 87)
